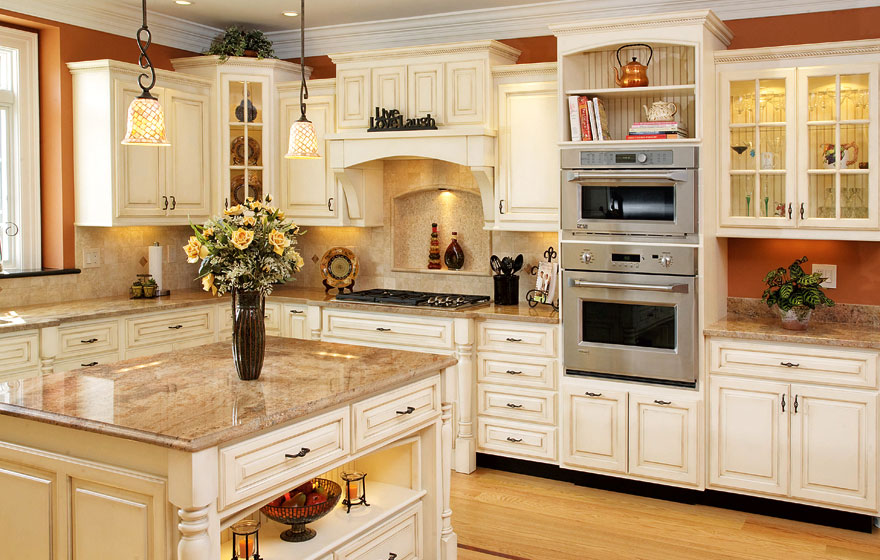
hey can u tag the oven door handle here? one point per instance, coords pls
(674, 288)
(618, 177)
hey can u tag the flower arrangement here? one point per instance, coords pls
(250, 248)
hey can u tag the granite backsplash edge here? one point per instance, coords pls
(854, 314)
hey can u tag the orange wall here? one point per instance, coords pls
(59, 44)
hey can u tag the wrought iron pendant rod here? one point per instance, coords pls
(144, 40)
(303, 89)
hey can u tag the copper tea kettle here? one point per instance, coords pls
(633, 74)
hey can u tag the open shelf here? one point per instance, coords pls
(647, 91)
(336, 528)
(630, 143)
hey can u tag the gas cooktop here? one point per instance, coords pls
(408, 298)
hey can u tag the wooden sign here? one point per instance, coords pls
(387, 121)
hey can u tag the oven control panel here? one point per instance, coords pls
(626, 159)
(642, 259)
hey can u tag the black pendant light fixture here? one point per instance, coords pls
(303, 143)
(146, 122)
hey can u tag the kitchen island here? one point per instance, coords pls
(152, 457)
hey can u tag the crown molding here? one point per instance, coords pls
(788, 52)
(120, 19)
(545, 69)
(134, 70)
(705, 18)
(482, 47)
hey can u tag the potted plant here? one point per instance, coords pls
(237, 41)
(795, 294)
(150, 287)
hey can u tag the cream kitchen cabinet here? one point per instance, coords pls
(295, 321)
(19, 356)
(120, 185)
(632, 430)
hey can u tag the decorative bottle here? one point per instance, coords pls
(251, 110)
(434, 253)
(454, 256)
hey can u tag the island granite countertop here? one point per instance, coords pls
(770, 329)
(192, 399)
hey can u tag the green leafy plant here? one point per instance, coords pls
(236, 40)
(794, 288)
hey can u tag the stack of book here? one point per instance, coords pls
(589, 120)
(656, 130)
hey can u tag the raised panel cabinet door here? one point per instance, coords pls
(663, 437)
(188, 160)
(834, 446)
(749, 434)
(140, 170)
(594, 428)
(529, 158)
(309, 184)
(389, 88)
(28, 512)
(465, 92)
(295, 321)
(353, 98)
(425, 91)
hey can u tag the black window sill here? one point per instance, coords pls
(25, 273)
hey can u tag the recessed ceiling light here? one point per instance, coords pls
(290, 14)
(183, 2)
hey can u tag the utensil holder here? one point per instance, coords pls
(506, 289)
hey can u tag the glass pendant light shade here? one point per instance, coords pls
(146, 123)
(303, 142)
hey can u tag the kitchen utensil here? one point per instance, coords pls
(495, 262)
(507, 266)
(517, 263)
(660, 111)
(634, 74)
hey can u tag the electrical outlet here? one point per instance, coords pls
(91, 258)
(828, 271)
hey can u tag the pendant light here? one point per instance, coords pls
(146, 122)
(303, 142)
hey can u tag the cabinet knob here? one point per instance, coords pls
(302, 453)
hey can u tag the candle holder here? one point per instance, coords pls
(355, 490)
(246, 540)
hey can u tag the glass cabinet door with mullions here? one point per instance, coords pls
(838, 152)
(758, 163)
(244, 114)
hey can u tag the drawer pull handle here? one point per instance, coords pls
(89, 341)
(409, 410)
(295, 311)
(664, 403)
(90, 364)
(789, 364)
(175, 327)
(392, 556)
(512, 405)
(513, 372)
(513, 439)
(382, 329)
(795, 404)
(783, 402)
(302, 453)
(511, 339)
(589, 394)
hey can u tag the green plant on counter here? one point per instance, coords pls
(236, 40)
(794, 288)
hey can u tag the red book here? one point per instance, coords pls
(585, 118)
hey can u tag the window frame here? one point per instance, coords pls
(24, 148)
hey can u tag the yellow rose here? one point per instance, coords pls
(236, 210)
(203, 252)
(279, 241)
(249, 221)
(299, 260)
(193, 250)
(268, 198)
(280, 215)
(256, 205)
(208, 284)
(209, 232)
(241, 238)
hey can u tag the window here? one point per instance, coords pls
(19, 150)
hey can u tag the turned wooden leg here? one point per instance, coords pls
(465, 440)
(448, 538)
(192, 488)
(195, 539)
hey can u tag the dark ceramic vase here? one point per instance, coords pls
(248, 333)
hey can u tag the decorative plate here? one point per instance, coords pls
(339, 267)
(240, 192)
(237, 150)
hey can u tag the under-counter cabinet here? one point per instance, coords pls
(120, 185)
(798, 144)
(19, 355)
(790, 436)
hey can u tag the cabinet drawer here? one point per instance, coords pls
(386, 416)
(399, 538)
(794, 362)
(86, 361)
(257, 465)
(518, 338)
(517, 404)
(398, 330)
(19, 353)
(88, 339)
(512, 438)
(273, 319)
(520, 371)
(169, 327)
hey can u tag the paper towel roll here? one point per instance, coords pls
(155, 258)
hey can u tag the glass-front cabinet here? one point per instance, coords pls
(244, 130)
(798, 149)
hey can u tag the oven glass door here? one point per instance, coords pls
(630, 326)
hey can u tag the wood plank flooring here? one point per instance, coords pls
(500, 515)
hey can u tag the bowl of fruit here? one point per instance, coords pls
(306, 503)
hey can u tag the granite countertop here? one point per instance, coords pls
(192, 399)
(770, 329)
(39, 316)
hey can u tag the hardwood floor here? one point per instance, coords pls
(517, 517)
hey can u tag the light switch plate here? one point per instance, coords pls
(91, 258)
(828, 271)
